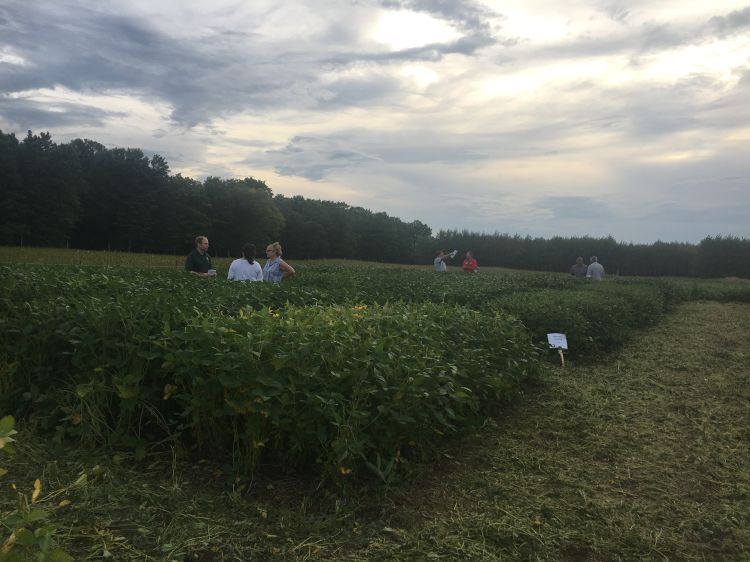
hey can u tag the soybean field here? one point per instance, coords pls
(317, 406)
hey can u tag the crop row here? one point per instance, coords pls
(347, 387)
(349, 368)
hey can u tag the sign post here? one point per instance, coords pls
(558, 342)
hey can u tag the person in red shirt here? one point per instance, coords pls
(470, 264)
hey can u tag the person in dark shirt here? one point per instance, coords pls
(198, 261)
(578, 269)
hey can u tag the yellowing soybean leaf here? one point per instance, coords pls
(37, 490)
(6, 425)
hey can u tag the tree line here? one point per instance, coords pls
(82, 194)
(714, 256)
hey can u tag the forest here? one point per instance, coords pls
(84, 195)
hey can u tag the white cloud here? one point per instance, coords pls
(406, 29)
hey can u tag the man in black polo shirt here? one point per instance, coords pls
(198, 261)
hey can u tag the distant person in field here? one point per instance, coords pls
(439, 261)
(470, 263)
(595, 271)
(579, 269)
(276, 269)
(246, 268)
(198, 261)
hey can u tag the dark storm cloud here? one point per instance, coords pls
(315, 158)
(432, 52)
(25, 114)
(643, 40)
(362, 91)
(80, 49)
(216, 73)
(422, 146)
(734, 21)
(617, 12)
(468, 16)
(319, 157)
(211, 75)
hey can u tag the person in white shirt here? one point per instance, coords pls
(246, 268)
(439, 261)
(595, 271)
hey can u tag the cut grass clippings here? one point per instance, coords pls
(645, 457)
(642, 457)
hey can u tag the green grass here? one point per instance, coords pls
(641, 457)
(65, 256)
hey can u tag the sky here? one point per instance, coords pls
(616, 118)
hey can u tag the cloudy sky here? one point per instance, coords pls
(612, 117)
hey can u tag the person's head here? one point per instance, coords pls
(594, 258)
(469, 254)
(579, 260)
(248, 252)
(201, 244)
(439, 254)
(273, 250)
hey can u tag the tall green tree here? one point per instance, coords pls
(14, 206)
(723, 256)
(43, 192)
(241, 211)
(181, 212)
(119, 204)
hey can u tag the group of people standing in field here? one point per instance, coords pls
(245, 268)
(593, 271)
(469, 265)
(276, 270)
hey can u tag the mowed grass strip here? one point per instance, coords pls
(644, 457)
